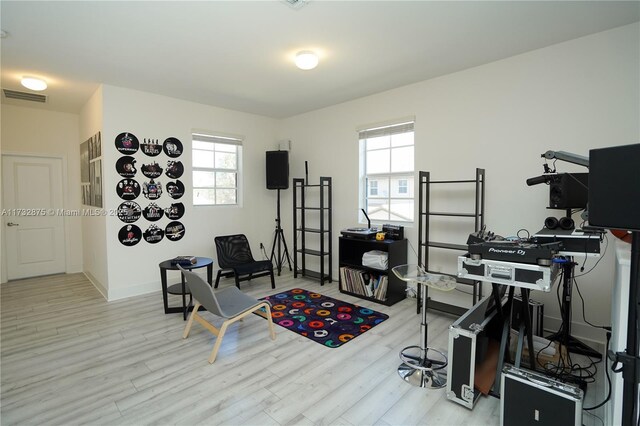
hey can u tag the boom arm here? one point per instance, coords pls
(568, 157)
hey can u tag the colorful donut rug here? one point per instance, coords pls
(324, 320)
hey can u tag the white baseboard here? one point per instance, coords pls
(97, 284)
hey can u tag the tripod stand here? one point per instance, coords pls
(279, 241)
(564, 334)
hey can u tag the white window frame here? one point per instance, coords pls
(385, 129)
(217, 138)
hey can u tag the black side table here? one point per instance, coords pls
(181, 288)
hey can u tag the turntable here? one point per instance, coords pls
(360, 233)
(367, 233)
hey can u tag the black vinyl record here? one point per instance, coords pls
(129, 211)
(126, 166)
(153, 212)
(152, 170)
(175, 169)
(127, 143)
(175, 211)
(128, 189)
(172, 147)
(175, 189)
(174, 231)
(152, 190)
(151, 147)
(130, 235)
(153, 234)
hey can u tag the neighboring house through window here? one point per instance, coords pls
(216, 162)
(386, 172)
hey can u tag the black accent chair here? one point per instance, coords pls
(235, 259)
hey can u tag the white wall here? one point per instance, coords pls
(94, 234)
(33, 131)
(134, 270)
(501, 116)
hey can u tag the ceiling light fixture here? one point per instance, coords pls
(306, 60)
(34, 83)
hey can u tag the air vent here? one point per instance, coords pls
(24, 96)
(296, 4)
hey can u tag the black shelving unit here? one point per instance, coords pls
(350, 253)
(313, 220)
(425, 243)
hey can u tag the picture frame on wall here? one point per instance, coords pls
(91, 171)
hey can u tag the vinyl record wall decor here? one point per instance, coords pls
(149, 187)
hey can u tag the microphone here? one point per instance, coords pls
(538, 180)
(368, 221)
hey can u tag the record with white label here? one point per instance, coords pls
(153, 212)
(129, 235)
(126, 166)
(174, 231)
(127, 143)
(172, 147)
(129, 211)
(128, 189)
(153, 234)
(175, 189)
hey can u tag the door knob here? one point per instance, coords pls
(13, 224)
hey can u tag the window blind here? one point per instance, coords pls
(198, 137)
(386, 131)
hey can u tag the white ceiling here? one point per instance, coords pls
(238, 54)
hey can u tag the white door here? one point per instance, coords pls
(34, 226)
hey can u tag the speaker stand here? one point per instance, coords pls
(279, 241)
(564, 334)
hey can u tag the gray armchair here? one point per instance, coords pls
(229, 303)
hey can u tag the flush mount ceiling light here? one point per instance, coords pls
(33, 83)
(306, 60)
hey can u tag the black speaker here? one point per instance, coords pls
(277, 169)
(568, 191)
(614, 187)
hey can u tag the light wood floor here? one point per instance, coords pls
(69, 357)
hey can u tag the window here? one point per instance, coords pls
(386, 170)
(373, 187)
(216, 164)
(402, 186)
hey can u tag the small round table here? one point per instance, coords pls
(421, 365)
(181, 288)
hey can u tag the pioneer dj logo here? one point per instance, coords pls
(504, 251)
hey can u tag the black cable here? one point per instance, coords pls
(597, 417)
(606, 371)
(575, 283)
(601, 257)
(525, 230)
